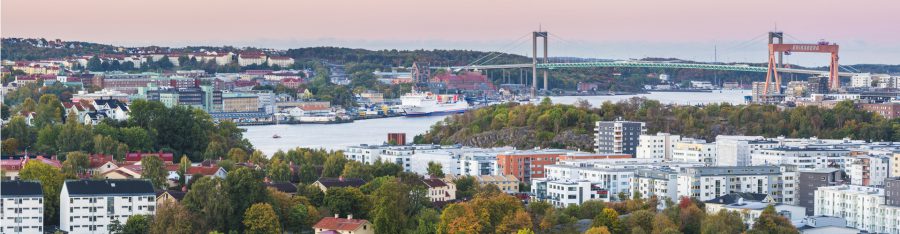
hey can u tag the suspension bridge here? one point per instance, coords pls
(777, 49)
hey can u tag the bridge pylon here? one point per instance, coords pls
(534, 60)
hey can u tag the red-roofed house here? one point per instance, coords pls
(11, 167)
(136, 157)
(216, 171)
(343, 226)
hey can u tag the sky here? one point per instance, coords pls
(701, 30)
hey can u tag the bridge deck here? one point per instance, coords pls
(719, 67)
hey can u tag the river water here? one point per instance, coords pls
(374, 131)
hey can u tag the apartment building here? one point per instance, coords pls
(21, 207)
(562, 193)
(864, 208)
(706, 183)
(808, 181)
(661, 183)
(695, 150)
(90, 206)
(736, 150)
(658, 146)
(618, 137)
(803, 157)
(867, 170)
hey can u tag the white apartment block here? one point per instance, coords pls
(90, 206)
(863, 207)
(658, 146)
(21, 207)
(613, 181)
(706, 183)
(736, 150)
(805, 158)
(449, 160)
(867, 170)
(661, 183)
(562, 193)
(695, 150)
(861, 80)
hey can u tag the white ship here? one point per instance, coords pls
(421, 104)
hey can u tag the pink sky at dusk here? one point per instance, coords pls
(867, 30)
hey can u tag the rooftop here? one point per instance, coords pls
(20, 188)
(109, 187)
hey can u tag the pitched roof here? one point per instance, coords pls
(134, 157)
(332, 223)
(177, 194)
(341, 182)
(20, 188)
(202, 170)
(432, 183)
(109, 187)
(732, 198)
(100, 159)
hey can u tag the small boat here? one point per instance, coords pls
(276, 136)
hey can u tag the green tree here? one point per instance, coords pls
(137, 224)
(334, 165)
(466, 186)
(640, 221)
(770, 222)
(391, 207)
(18, 129)
(237, 155)
(75, 137)
(172, 217)
(279, 171)
(427, 221)
(153, 169)
(46, 138)
(260, 218)
(347, 200)
(76, 163)
(355, 169)
(723, 222)
(608, 218)
(244, 187)
(49, 111)
(208, 201)
(435, 170)
(598, 230)
(51, 181)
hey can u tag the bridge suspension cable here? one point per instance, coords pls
(501, 50)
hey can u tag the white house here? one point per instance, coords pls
(90, 206)
(440, 190)
(21, 207)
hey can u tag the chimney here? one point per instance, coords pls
(350, 216)
(336, 216)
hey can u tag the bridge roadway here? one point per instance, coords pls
(743, 68)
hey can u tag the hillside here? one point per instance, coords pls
(555, 125)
